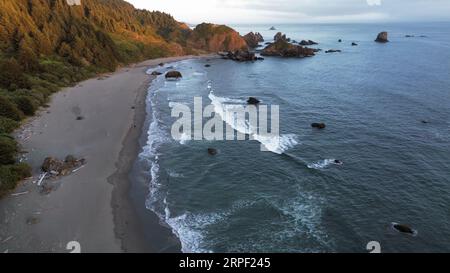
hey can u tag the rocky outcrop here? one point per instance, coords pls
(282, 48)
(173, 75)
(253, 39)
(272, 28)
(215, 38)
(281, 36)
(240, 56)
(307, 43)
(382, 37)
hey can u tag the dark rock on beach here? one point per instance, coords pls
(282, 48)
(253, 101)
(318, 125)
(382, 37)
(173, 75)
(253, 39)
(57, 167)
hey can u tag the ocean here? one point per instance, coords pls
(386, 108)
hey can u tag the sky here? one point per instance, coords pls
(299, 11)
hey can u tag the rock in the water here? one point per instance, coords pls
(318, 125)
(212, 151)
(340, 40)
(307, 43)
(207, 65)
(156, 73)
(241, 56)
(409, 36)
(272, 28)
(282, 48)
(333, 51)
(161, 64)
(382, 37)
(253, 39)
(173, 75)
(354, 44)
(253, 101)
(404, 229)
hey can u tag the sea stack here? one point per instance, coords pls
(253, 39)
(382, 37)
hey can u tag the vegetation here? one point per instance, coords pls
(47, 44)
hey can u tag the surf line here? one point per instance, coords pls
(240, 121)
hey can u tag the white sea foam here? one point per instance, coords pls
(190, 227)
(322, 164)
(185, 138)
(226, 107)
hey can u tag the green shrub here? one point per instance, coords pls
(10, 175)
(26, 104)
(7, 125)
(22, 170)
(9, 110)
(8, 150)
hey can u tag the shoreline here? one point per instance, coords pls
(92, 206)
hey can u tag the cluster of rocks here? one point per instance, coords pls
(240, 56)
(253, 39)
(56, 167)
(283, 48)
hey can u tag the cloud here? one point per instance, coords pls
(299, 11)
(374, 2)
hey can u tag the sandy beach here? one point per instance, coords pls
(91, 206)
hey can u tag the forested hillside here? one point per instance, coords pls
(47, 44)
